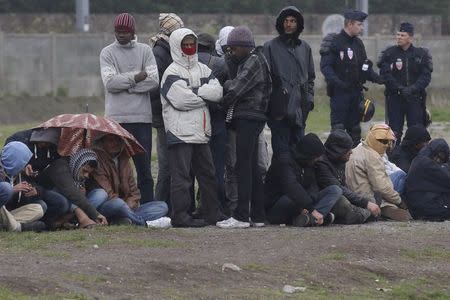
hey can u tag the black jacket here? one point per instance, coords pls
(287, 178)
(292, 67)
(428, 184)
(161, 50)
(401, 68)
(403, 155)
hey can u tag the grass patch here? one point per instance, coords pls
(253, 267)
(334, 256)
(8, 294)
(426, 254)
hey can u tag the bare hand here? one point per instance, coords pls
(22, 187)
(374, 209)
(29, 171)
(101, 220)
(31, 193)
(140, 76)
(318, 216)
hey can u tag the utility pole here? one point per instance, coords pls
(363, 5)
(82, 14)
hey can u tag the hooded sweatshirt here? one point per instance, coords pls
(125, 100)
(185, 86)
(15, 156)
(222, 40)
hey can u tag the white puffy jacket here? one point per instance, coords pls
(184, 86)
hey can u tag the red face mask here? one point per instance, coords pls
(189, 50)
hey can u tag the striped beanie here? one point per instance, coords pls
(169, 22)
(124, 21)
(78, 160)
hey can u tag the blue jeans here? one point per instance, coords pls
(117, 208)
(398, 180)
(284, 211)
(142, 162)
(284, 135)
(6, 192)
(57, 206)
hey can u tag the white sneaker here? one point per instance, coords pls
(232, 223)
(258, 224)
(163, 222)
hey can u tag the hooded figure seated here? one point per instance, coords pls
(114, 174)
(292, 195)
(366, 173)
(352, 208)
(428, 183)
(415, 139)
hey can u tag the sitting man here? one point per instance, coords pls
(351, 208)
(415, 139)
(366, 173)
(292, 195)
(114, 174)
(428, 183)
(25, 215)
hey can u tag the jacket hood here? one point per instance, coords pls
(15, 156)
(178, 56)
(48, 135)
(78, 160)
(222, 40)
(337, 144)
(434, 147)
(290, 11)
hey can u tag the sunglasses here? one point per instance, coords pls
(384, 142)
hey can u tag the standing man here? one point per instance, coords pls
(346, 68)
(406, 71)
(292, 66)
(168, 23)
(129, 73)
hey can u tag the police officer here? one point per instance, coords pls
(406, 71)
(346, 68)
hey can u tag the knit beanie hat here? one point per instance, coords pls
(78, 160)
(377, 133)
(338, 143)
(241, 36)
(308, 147)
(124, 21)
(169, 22)
(416, 134)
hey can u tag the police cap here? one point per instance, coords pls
(356, 15)
(407, 27)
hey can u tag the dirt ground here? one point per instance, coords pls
(373, 261)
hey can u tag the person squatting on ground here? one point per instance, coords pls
(345, 66)
(114, 174)
(292, 67)
(186, 86)
(246, 98)
(168, 23)
(406, 71)
(351, 208)
(366, 173)
(25, 215)
(292, 194)
(428, 183)
(129, 72)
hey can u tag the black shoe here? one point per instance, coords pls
(36, 226)
(191, 223)
(328, 220)
(302, 220)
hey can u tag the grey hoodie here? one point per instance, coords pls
(125, 100)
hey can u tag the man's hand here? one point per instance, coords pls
(29, 171)
(22, 187)
(31, 193)
(406, 91)
(318, 216)
(374, 209)
(140, 76)
(101, 220)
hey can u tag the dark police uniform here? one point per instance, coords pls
(346, 68)
(406, 74)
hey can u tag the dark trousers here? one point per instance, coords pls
(250, 183)
(284, 209)
(345, 113)
(162, 189)
(284, 135)
(399, 108)
(217, 144)
(182, 159)
(142, 162)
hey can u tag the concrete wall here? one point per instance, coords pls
(68, 64)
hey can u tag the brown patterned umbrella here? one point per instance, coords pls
(80, 130)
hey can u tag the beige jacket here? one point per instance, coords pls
(365, 174)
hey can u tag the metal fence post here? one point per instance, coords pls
(53, 59)
(2, 64)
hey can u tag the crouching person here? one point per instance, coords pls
(292, 195)
(428, 183)
(114, 174)
(185, 87)
(366, 173)
(14, 158)
(351, 208)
